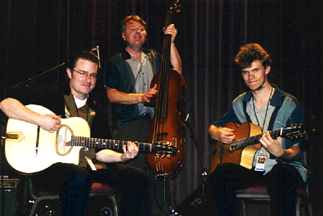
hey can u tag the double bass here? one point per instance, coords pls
(167, 125)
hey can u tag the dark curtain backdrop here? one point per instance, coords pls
(37, 35)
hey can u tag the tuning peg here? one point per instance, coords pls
(177, 6)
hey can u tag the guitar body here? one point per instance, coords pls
(37, 149)
(30, 149)
(244, 156)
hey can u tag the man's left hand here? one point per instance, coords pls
(275, 147)
(171, 30)
(130, 151)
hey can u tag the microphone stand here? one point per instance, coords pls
(30, 79)
(205, 172)
(96, 49)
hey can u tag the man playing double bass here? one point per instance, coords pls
(278, 164)
(129, 74)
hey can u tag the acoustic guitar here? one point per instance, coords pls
(246, 142)
(30, 149)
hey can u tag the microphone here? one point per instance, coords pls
(98, 53)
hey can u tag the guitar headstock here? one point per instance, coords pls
(294, 131)
(164, 148)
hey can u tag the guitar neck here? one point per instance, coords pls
(239, 144)
(105, 143)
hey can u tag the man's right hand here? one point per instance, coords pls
(222, 134)
(49, 122)
(148, 95)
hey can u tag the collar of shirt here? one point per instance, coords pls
(276, 99)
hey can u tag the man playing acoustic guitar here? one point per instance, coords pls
(73, 182)
(278, 163)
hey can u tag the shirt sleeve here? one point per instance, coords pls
(230, 116)
(111, 75)
(296, 117)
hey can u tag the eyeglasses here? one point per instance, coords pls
(86, 74)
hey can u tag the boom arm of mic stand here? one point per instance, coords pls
(38, 75)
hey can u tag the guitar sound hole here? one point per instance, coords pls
(63, 140)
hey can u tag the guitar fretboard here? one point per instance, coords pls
(254, 139)
(106, 143)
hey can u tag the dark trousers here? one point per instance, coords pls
(282, 182)
(138, 130)
(73, 184)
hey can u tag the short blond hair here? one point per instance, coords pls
(132, 17)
